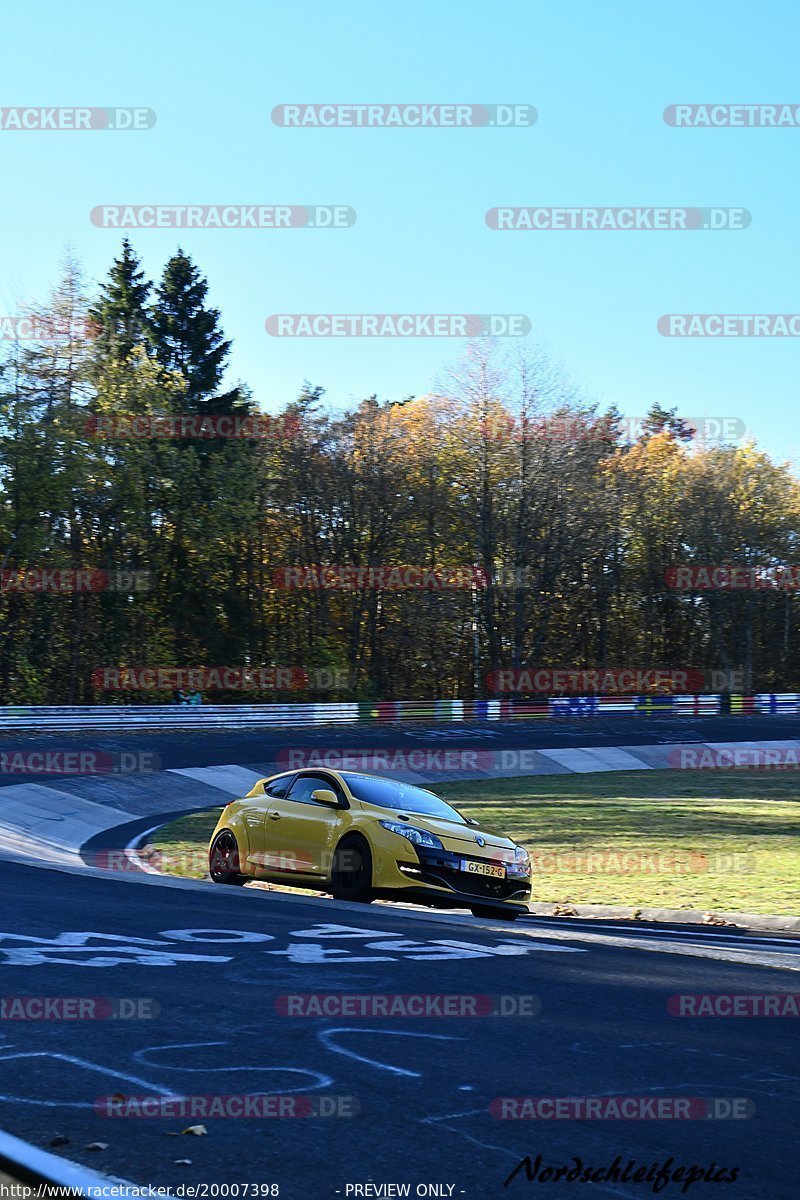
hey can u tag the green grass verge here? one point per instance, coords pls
(181, 848)
(700, 839)
(712, 840)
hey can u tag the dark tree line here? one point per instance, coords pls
(507, 469)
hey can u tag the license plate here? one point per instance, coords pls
(482, 868)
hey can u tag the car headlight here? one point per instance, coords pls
(521, 864)
(420, 837)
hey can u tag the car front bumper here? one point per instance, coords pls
(436, 878)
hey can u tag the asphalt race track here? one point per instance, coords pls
(424, 1085)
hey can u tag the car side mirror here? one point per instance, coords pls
(472, 821)
(325, 796)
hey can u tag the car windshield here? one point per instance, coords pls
(403, 797)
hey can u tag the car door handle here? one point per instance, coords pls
(276, 816)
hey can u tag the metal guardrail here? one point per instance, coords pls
(61, 718)
(775, 703)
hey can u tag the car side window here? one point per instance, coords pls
(304, 785)
(279, 787)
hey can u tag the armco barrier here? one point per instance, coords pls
(782, 702)
(61, 719)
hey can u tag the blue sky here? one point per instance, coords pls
(600, 76)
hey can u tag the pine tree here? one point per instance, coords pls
(120, 318)
(189, 340)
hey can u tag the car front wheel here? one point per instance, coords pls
(351, 876)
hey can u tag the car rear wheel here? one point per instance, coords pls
(223, 859)
(496, 914)
(351, 876)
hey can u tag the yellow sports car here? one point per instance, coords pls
(361, 837)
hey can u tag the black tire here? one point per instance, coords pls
(351, 874)
(494, 914)
(223, 859)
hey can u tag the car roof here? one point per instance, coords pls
(344, 775)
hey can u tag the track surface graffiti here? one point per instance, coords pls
(92, 949)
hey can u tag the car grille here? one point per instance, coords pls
(442, 870)
(474, 885)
